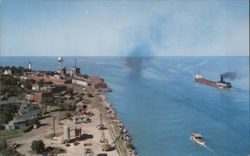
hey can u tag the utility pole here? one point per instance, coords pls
(103, 138)
(54, 126)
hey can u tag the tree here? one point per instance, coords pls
(36, 121)
(6, 151)
(7, 112)
(38, 146)
(27, 84)
(85, 76)
(10, 152)
(47, 100)
(8, 80)
(41, 83)
(69, 91)
(3, 144)
(66, 107)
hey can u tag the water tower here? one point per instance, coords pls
(60, 62)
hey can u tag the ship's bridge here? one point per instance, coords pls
(198, 76)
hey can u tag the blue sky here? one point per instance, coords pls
(122, 28)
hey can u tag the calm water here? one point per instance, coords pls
(161, 105)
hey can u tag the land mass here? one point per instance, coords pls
(58, 113)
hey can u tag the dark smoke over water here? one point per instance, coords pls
(135, 58)
(134, 62)
(230, 75)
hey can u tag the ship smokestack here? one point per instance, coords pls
(221, 78)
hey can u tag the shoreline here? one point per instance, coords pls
(68, 105)
(116, 133)
(116, 128)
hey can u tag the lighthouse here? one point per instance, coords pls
(29, 67)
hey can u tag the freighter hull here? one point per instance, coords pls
(212, 83)
(205, 81)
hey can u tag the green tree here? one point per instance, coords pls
(3, 144)
(47, 100)
(66, 106)
(8, 80)
(27, 84)
(69, 91)
(7, 112)
(38, 146)
(6, 151)
(36, 121)
(10, 152)
(41, 83)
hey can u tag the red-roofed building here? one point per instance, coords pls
(97, 83)
(51, 79)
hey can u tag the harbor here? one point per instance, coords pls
(124, 78)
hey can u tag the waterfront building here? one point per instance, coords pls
(80, 82)
(73, 71)
(97, 83)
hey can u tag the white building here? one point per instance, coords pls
(7, 72)
(73, 71)
(79, 82)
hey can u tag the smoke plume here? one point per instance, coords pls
(136, 57)
(230, 75)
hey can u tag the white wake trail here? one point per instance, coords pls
(207, 148)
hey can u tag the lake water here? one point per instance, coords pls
(161, 104)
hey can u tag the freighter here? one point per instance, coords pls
(220, 84)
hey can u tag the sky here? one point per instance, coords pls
(124, 28)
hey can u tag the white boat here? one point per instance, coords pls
(196, 137)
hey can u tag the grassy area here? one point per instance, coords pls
(96, 104)
(8, 134)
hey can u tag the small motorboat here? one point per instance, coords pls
(196, 137)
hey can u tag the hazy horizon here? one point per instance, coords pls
(124, 56)
(124, 28)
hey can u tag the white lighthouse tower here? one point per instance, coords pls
(29, 67)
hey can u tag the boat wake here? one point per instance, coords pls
(189, 68)
(203, 145)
